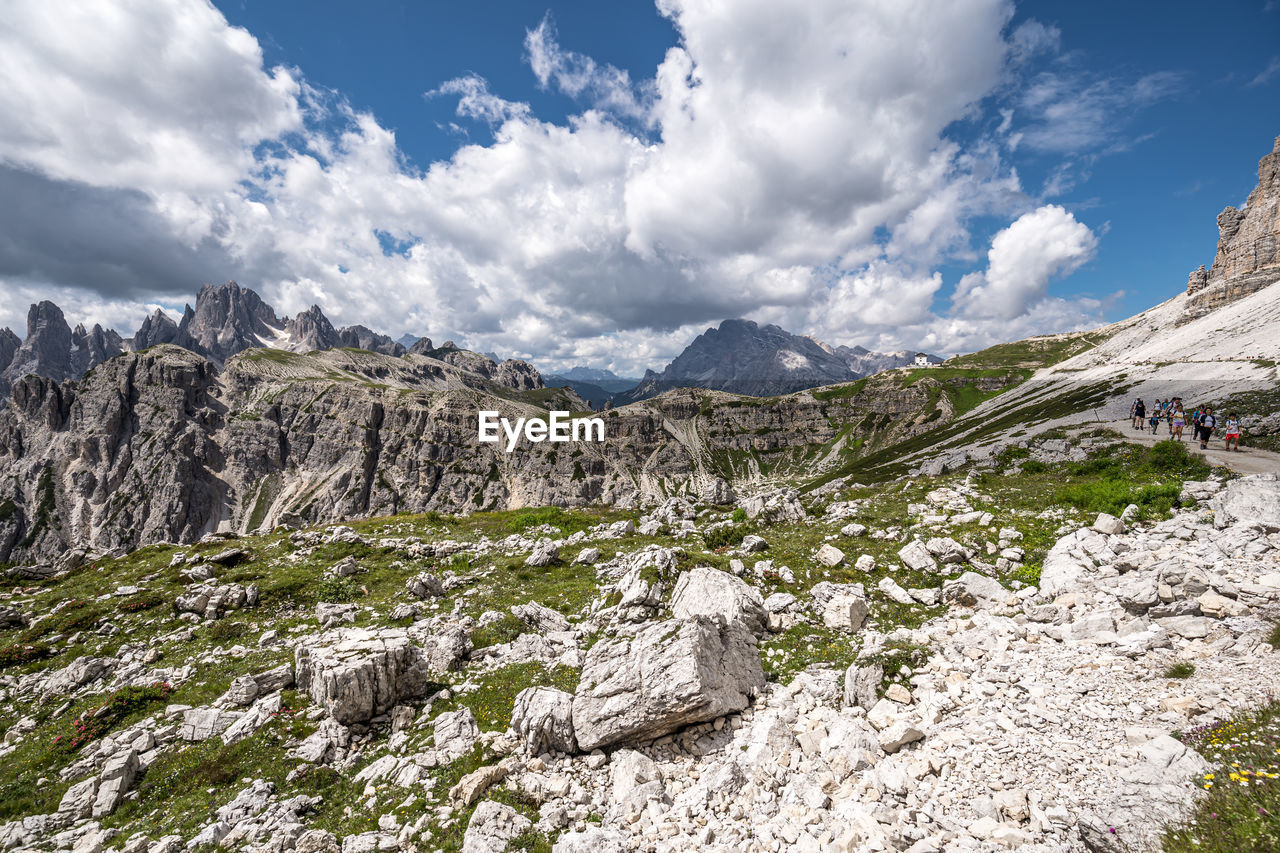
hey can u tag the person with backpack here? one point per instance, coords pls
(1138, 413)
(1207, 424)
(1232, 432)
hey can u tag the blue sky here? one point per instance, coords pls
(1177, 161)
(595, 183)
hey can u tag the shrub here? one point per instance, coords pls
(225, 631)
(1182, 669)
(1111, 495)
(1027, 573)
(725, 537)
(100, 719)
(77, 615)
(504, 630)
(17, 654)
(569, 522)
(338, 589)
(140, 602)
(1034, 466)
(739, 516)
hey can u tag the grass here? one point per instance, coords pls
(886, 462)
(492, 703)
(1181, 669)
(1123, 474)
(1240, 809)
(1032, 353)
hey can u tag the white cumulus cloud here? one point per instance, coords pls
(1035, 248)
(793, 167)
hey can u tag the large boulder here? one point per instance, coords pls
(781, 506)
(543, 719)
(444, 649)
(974, 590)
(78, 673)
(845, 612)
(671, 674)
(492, 827)
(1062, 570)
(540, 618)
(916, 556)
(356, 675)
(860, 684)
(1249, 499)
(455, 733)
(717, 491)
(709, 592)
(829, 556)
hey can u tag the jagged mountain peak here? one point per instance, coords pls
(228, 319)
(311, 330)
(743, 357)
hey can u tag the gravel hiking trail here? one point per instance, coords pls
(1249, 460)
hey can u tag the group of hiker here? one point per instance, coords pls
(1173, 414)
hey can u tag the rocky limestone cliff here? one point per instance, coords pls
(1248, 256)
(52, 349)
(864, 362)
(158, 329)
(163, 446)
(226, 321)
(9, 343)
(92, 347)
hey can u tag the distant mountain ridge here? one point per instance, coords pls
(743, 357)
(227, 319)
(597, 385)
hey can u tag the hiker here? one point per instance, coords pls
(1207, 423)
(1154, 420)
(1177, 420)
(1233, 432)
(1138, 413)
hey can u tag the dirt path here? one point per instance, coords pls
(1250, 460)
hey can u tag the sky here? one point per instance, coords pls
(591, 183)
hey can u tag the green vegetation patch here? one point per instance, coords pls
(1241, 807)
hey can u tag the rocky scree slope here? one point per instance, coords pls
(865, 670)
(161, 445)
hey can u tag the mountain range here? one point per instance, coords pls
(169, 444)
(596, 385)
(740, 357)
(227, 320)
(743, 357)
